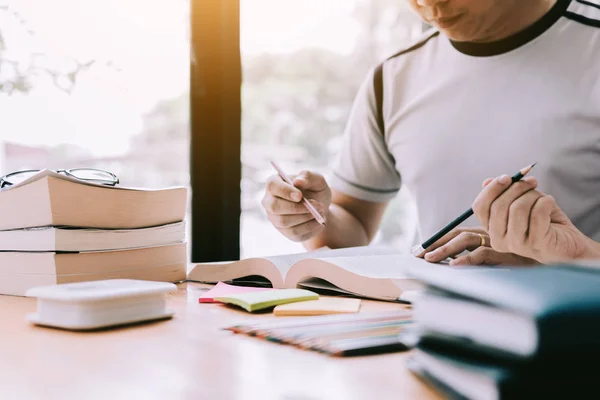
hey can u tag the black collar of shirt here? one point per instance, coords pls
(518, 39)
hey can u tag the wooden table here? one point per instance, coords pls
(187, 357)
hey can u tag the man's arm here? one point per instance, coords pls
(351, 222)
(364, 180)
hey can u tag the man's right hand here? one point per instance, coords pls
(285, 209)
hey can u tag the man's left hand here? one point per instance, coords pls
(477, 242)
(527, 222)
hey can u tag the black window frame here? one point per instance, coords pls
(215, 130)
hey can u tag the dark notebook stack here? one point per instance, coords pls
(509, 333)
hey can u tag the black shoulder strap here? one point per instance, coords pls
(378, 89)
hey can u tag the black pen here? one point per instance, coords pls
(419, 249)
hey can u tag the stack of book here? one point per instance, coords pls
(509, 333)
(57, 229)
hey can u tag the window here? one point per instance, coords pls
(99, 84)
(303, 62)
(105, 84)
(102, 84)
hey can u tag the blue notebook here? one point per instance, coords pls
(529, 314)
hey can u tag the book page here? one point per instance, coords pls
(381, 266)
(285, 262)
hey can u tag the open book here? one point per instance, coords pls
(371, 272)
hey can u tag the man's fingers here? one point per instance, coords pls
(480, 256)
(493, 190)
(284, 221)
(278, 188)
(483, 202)
(302, 232)
(473, 258)
(518, 219)
(539, 221)
(487, 182)
(488, 256)
(278, 206)
(449, 236)
(442, 241)
(464, 241)
(286, 210)
(499, 211)
(288, 221)
(307, 180)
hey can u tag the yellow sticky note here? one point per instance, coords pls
(322, 306)
(254, 301)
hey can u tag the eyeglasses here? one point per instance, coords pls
(85, 174)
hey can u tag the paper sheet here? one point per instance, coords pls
(285, 262)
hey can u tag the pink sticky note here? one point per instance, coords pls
(223, 289)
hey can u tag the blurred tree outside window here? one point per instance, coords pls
(96, 83)
(101, 84)
(303, 62)
(105, 84)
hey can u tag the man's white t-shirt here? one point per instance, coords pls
(453, 114)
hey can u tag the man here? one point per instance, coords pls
(498, 85)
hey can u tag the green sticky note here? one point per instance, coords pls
(254, 301)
